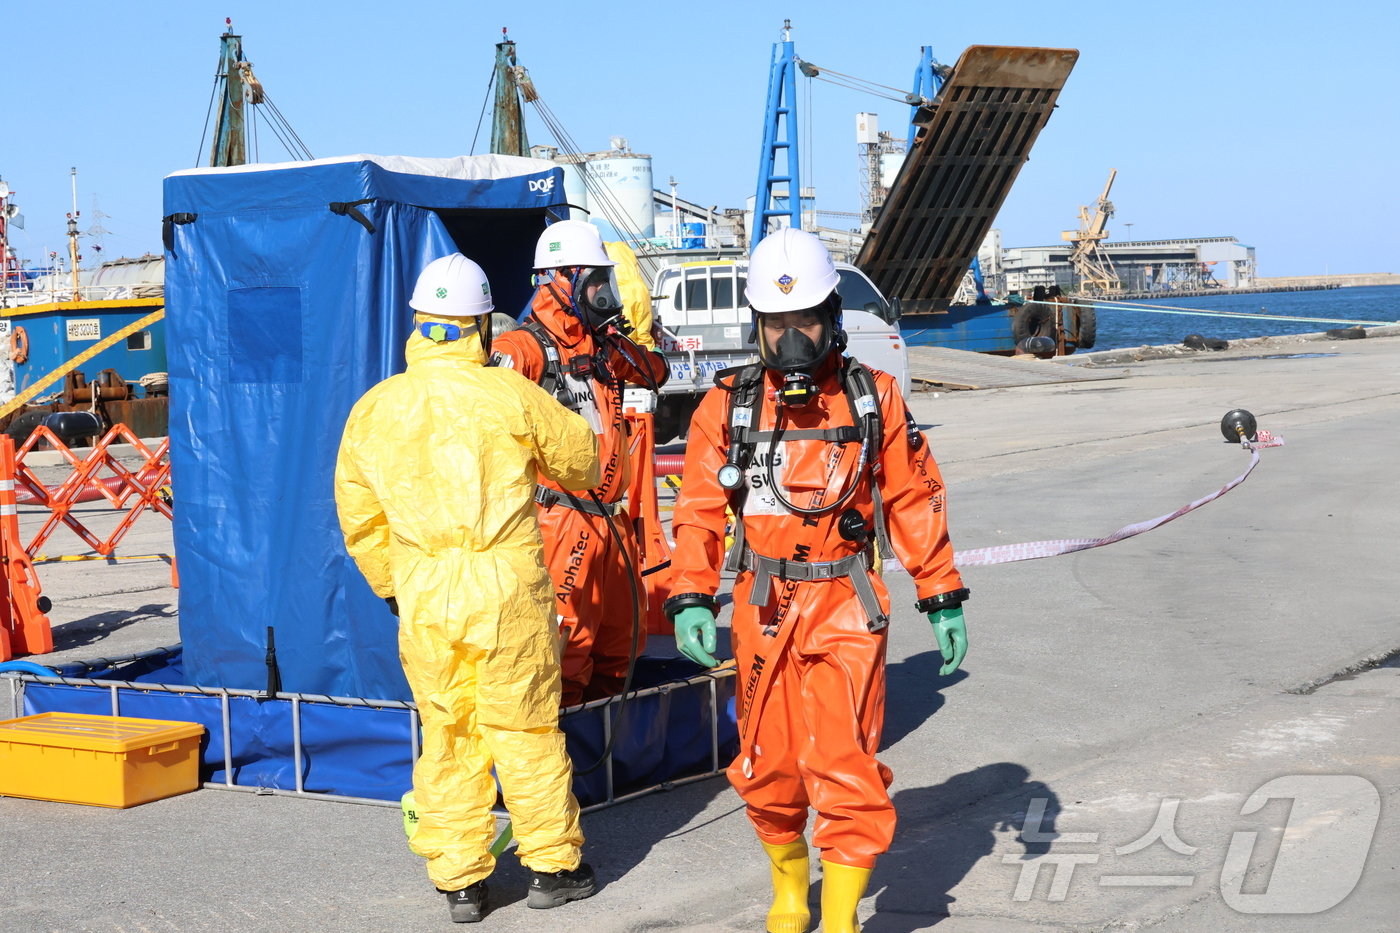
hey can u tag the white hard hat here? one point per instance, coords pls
(452, 286)
(789, 270)
(570, 243)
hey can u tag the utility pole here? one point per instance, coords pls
(73, 234)
(675, 217)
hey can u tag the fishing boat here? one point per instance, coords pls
(93, 340)
(84, 340)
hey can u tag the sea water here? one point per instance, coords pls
(1120, 327)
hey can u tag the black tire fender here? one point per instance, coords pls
(1087, 332)
(1033, 319)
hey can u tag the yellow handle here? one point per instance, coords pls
(159, 749)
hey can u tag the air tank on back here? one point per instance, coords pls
(628, 181)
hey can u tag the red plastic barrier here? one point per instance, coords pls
(131, 492)
(24, 627)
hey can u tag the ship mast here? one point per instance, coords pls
(241, 101)
(507, 122)
(9, 265)
(230, 130)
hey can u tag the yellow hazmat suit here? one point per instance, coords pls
(435, 487)
(636, 294)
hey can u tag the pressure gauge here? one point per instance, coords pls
(730, 476)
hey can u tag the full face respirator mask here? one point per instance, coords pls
(794, 351)
(598, 299)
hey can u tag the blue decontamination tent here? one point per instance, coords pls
(286, 296)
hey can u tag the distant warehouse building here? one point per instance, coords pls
(1141, 265)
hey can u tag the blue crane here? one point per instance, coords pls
(779, 136)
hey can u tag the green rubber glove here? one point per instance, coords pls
(951, 632)
(695, 634)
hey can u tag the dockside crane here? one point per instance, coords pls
(1088, 257)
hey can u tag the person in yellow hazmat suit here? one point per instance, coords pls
(435, 485)
(635, 294)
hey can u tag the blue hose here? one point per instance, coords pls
(27, 667)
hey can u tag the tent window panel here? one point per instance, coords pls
(141, 340)
(264, 335)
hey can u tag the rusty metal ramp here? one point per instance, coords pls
(972, 142)
(963, 369)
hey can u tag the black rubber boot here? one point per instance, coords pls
(467, 905)
(552, 889)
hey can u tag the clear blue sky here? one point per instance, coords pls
(1272, 122)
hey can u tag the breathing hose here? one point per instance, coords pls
(865, 445)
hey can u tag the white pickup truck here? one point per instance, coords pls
(708, 326)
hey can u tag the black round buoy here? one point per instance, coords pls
(1239, 423)
(1040, 347)
(72, 425)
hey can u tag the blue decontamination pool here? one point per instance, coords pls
(676, 726)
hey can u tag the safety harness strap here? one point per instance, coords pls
(855, 567)
(548, 497)
(745, 409)
(842, 435)
(858, 382)
(552, 380)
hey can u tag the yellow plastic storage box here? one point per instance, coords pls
(106, 761)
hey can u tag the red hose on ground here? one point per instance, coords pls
(667, 464)
(114, 483)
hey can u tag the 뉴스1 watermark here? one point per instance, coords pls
(1330, 825)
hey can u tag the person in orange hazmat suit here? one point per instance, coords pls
(819, 460)
(572, 343)
(434, 485)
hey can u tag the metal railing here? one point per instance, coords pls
(18, 298)
(710, 680)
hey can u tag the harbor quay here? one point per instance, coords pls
(1191, 728)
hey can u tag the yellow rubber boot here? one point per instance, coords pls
(789, 913)
(842, 887)
(410, 815)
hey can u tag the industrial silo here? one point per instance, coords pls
(626, 177)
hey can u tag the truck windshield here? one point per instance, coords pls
(857, 294)
(709, 287)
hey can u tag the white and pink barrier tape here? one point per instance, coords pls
(1033, 550)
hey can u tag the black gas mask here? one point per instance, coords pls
(597, 298)
(795, 343)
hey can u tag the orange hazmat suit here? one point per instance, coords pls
(590, 570)
(811, 672)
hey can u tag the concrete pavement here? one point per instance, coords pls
(1118, 710)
